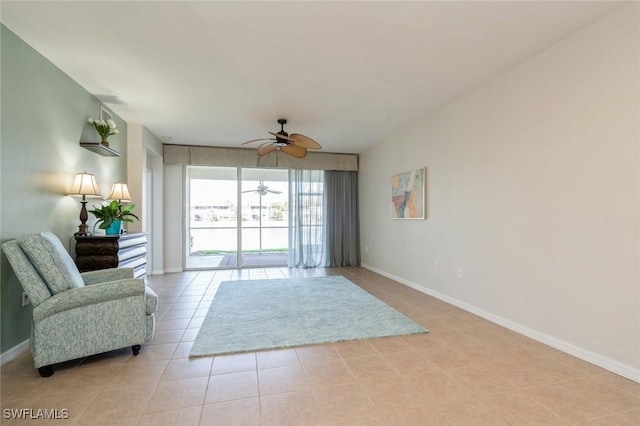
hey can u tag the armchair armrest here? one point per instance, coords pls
(84, 296)
(106, 275)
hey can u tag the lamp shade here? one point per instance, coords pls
(84, 184)
(120, 192)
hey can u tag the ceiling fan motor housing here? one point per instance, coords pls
(279, 141)
(282, 142)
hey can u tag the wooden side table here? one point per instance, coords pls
(112, 251)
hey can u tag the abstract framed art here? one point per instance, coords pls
(408, 194)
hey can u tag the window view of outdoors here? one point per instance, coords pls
(224, 221)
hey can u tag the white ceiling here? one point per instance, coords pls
(347, 74)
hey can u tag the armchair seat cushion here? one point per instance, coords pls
(104, 275)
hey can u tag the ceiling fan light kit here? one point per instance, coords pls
(295, 145)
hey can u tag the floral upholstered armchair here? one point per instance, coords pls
(78, 314)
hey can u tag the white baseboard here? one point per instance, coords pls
(157, 272)
(172, 270)
(13, 353)
(614, 366)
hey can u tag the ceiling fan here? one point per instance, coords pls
(293, 144)
(263, 190)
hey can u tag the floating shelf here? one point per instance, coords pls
(101, 149)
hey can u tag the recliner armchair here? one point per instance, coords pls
(78, 314)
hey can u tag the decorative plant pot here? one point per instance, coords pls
(115, 227)
(105, 142)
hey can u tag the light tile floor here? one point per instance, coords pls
(466, 371)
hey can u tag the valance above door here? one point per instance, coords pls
(238, 157)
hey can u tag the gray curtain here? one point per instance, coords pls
(306, 236)
(342, 218)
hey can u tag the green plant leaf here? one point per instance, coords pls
(109, 212)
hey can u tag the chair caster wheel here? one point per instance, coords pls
(135, 349)
(46, 371)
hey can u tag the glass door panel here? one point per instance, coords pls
(265, 217)
(212, 227)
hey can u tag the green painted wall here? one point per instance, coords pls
(43, 119)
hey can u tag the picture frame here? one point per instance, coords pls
(408, 195)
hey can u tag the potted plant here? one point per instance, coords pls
(110, 216)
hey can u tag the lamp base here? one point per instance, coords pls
(83, 230)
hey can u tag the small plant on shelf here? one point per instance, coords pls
(105, 128)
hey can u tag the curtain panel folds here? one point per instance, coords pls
(306, 229)
(324, 219)
(342, 219)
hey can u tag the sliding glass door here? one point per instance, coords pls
(265, 217)
(212, 225)
(238, 217)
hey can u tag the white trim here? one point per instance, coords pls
(172, 270)
(14, 352)
(105, 114)
(614, 366)
(157, 272)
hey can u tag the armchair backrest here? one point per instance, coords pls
(42, 259)
(29, 278)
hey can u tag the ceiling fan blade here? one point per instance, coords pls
(287, 138)
(294, 150)
(266, 148)
(274, 192)
(305, 141)
(256, 140)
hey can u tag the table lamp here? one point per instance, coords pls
(120, 192)
(84, 184)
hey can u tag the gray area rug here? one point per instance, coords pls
(255, 315)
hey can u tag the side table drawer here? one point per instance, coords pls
(112, 251)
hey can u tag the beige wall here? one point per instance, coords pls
(533, 182)
(144, 152)
(174, 222)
